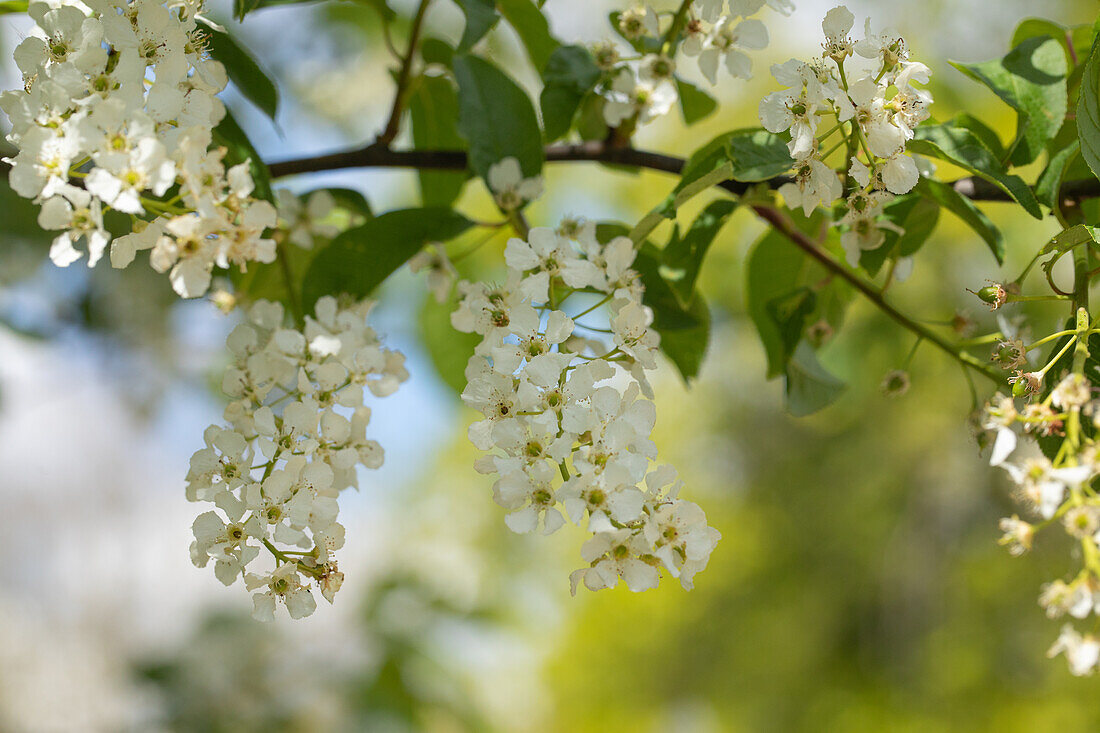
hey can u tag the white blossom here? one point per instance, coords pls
(296, 433)
(566, 417)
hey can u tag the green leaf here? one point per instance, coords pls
(684, 329)
(533, 30)
(753, 153)
(695, 104)
(450, 350)
(961, 147)
(495, 117)
(983, 132)
(963, 208)
(360, 259)
(758, 155)
(1050, 180)
(809, 387)
(481, 16)
(243, 71)
(1075, 40)
(435, 51)
(790, 312)
(683, 256)
(1071, 237)
(1088, 111)
(687, 347)
(772, 272)
(240, 149)
(351, 201)
(433, 109)
(570, 74)
(13, 6)
(590, 120)
(914, 213)
(1032, 80)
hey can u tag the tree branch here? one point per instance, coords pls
(784, 226)
(380, 156)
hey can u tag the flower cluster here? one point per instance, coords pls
(116, 114)
(1058, 493)
(569, 415)
(296, 433)
(638, 92)
(873, 128)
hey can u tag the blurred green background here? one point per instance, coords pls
(858, 585)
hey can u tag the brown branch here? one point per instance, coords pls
(785, 227)
(379, 156)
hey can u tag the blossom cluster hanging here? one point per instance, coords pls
(568, 413)
(116, 114)
(827, 92)
(643, 89)
(295, 436)
(1057, 492)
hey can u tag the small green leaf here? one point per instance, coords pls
(240, 149)
(809, 387)
(570, 74)
(1088, 111)
(695, 104)
(683, 256)
(13, 6)
(495, 117)
(961, 147)
(962, 207)
(433, 109)
(360, 259)
(1032, 80)
(1050, 180)
(533, 30)
(481, 16)
(1074, 236)
(243, 71)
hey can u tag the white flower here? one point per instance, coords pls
(283, 584)
(637, 22)
(569, 432)
(814, 184)
(886, 46)
(726, 42)
(1082, 652)
(642, 100)
(276, 476)
(441, 272)
(303, 223)
(510, 189)
(836, 26)
(866, 105)
(782, 111)
(82, 217)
